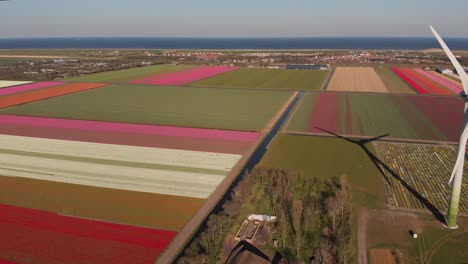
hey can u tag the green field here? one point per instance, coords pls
(328, 157)
(178, 106)
(267, 78)
(391, 80)
(124, 76)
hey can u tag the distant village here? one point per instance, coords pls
(94, 61)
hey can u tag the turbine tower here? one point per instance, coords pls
(457, 174)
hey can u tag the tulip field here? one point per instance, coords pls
(453, 86)
(185, 76)
(420, 82)
(35, 95)
(111, 173)
(28, 87)
(434, 118)
(113, 167)
(31, 236)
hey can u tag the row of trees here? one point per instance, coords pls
(313, 217)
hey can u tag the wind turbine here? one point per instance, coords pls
(457, 174)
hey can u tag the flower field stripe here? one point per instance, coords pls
(417, 87)
(446, 82)
(28, 87)
(2, 261)
(129, 139)
(22, 98)
(104, 161)
(177, 183)
(420, 82)
(325, 114)
(185, 76)
(4, 84)
(421, 123)
(349, 120)
(431, 86)
(171, 157)
(443, 114)
(43, 237)
(110, 205)
(243, 136)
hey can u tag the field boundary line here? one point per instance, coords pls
(389, 139)
(328, 80)
(291, 115)
(189, 230)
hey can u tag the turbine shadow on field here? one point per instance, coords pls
(382, 167)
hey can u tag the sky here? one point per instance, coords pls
(238, 18)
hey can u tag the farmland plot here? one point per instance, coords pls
(4, 84)
(267, 79)
(28, 87)
(166, 171)
(392, 82)
(425, 169)
(231, 109)
(30, 236)
(31, 96)
(442, 80)
(420, 83)
(110, 205)
(185, 76)
(356, 79)
(183, 138)
(124, 76)
(436, 118)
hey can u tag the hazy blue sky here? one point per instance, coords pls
(217, 18)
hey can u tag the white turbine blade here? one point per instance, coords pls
(454, 60)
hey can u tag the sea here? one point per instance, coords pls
(355, 43)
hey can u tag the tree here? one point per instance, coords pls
(298, 209)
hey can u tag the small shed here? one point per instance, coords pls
(444, 71)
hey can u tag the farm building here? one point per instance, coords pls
(444, 71)
(307, 67)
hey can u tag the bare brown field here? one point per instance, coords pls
(381, 256)
(166, 212)
(356, 79)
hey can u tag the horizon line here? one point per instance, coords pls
(221, 37)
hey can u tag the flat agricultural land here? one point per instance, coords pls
(356, 79)
(153, 170)
(267, 78)
(413, 117)
(124, 76)
(182, 138)
(422, 168)
(392, 82)
(422, 82)
(160, 105)
(31, 236)
(167, 212)
(327, 157)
